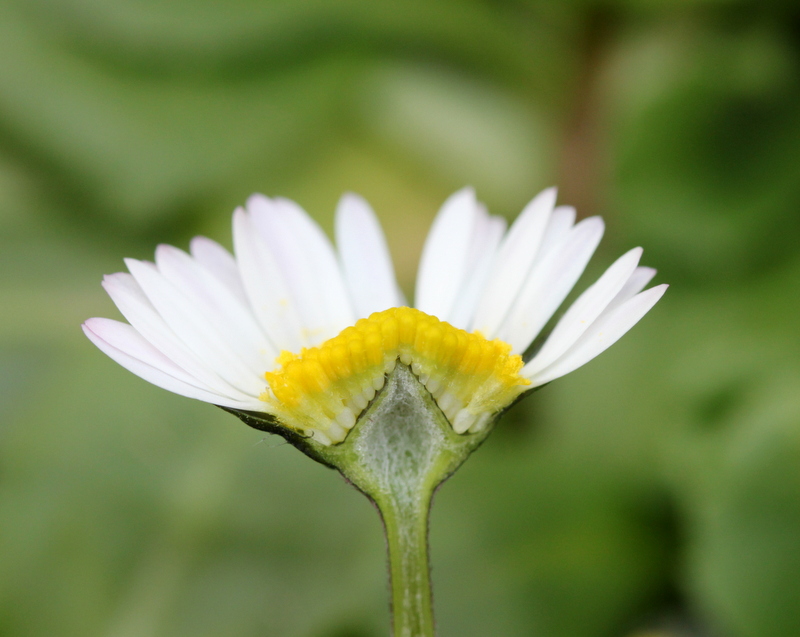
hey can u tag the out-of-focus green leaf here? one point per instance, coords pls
(460, 129)
(246, 36)
(552, 550)
(135, 147)
(744, 551)
(708, 147)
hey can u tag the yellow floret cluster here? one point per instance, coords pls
(323, 389)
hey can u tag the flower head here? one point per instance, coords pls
(292, 328)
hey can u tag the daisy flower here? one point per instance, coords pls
(305, 333)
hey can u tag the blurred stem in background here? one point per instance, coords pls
(581, 169)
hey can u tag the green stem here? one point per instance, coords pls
(406, 527)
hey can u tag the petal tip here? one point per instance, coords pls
(551, 192)
(351, 202)
(257, 199)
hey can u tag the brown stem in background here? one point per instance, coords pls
(582, 169)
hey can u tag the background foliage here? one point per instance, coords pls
(655, 492)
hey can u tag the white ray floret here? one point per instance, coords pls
(446, 254)
(550, 281)
(365, 259)
(486, 237)
(585, 310)
(514, 260)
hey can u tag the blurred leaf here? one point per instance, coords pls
(744, 555)
(707, 140)
(246, 36)
(136, 148)
(532, 543)
(463, 130)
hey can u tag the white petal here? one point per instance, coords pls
(289, 258)
(126, 339)
(601, 335)
(331, 287)
(486, 238)
(230, 318)
(558, 226)
(194, 329)
(265, 287)
(445, 255)
(514, 261)
(549, 283)
(308, 264)
(140, 313)
(635, 284)
(220, 263)
(123, 344)
(587, 307)
(365, 258)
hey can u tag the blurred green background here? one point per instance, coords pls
(654, 492)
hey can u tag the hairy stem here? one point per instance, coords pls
(409, 568)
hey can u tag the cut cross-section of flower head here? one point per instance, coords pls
(292, 327)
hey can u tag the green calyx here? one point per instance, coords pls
(401, 437)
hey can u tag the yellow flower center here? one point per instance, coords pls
(322, 390)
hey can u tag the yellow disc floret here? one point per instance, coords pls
(322, 390)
